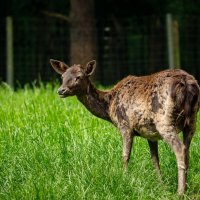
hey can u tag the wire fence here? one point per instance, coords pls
(136, 46)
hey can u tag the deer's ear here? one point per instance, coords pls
(59, 67)
(90, 67)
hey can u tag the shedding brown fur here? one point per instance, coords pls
(154, 107)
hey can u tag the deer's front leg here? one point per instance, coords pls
(127, 136)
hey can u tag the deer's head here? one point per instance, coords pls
(75, 79)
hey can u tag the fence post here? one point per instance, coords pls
(9, 51)
(173, 42)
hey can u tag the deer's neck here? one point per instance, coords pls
(96, 101)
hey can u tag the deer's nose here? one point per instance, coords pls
(61, 91)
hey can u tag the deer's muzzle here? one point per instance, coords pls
(63, 92)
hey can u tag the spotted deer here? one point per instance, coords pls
(154, 107)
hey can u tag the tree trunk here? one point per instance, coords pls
(83, 47)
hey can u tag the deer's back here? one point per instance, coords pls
(142, 102)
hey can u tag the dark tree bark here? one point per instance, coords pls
(83, 39)
(83, 35)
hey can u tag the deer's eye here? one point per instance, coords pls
(77, 78)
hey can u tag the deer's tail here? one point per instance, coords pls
(186, 93)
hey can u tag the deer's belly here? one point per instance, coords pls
(148, 132)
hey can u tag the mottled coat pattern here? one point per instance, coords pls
(154, 107)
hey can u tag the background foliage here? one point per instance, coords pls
(131, 37)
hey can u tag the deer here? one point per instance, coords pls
(155, 107)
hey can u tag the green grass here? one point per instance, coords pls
(52, 148)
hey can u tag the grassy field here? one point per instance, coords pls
(52, 148)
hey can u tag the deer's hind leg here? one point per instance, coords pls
(170, 136)
(153, 145)
(188, 133)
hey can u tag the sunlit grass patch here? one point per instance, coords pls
(52, 148)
